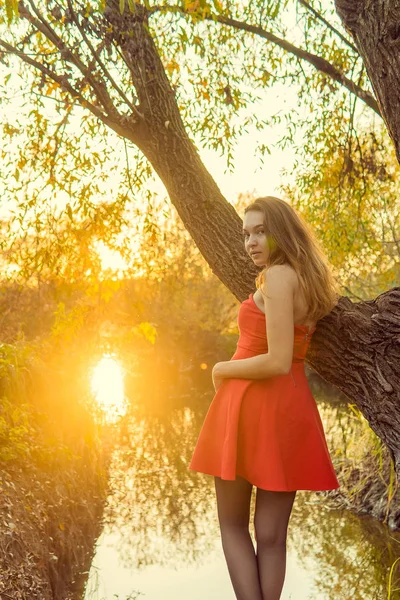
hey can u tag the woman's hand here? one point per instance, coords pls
(217, 376)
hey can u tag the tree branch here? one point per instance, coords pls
(42, 25)
(321, 64)
(96, 56)
(318, 16)
(63, 82)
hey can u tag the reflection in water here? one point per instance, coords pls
(108, 388)
(161, 533)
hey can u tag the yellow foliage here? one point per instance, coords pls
(147, 331)
(172, 66)
(191, 5)
(51, 87)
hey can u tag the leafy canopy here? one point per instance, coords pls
(71, 179)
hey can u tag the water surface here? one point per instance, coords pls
(161, 538)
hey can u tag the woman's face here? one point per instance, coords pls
(255, 237)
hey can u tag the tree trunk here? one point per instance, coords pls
(375, 27)
(211, 221)
(357, 348)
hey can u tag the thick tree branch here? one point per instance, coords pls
(167, 146)
(375, 28)
(317, 62)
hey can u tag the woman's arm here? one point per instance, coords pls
(279, 286)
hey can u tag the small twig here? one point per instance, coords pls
(318, 16)
(101, 64)
(66, 53)
(128, 169)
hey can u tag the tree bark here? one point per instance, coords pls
(357, 348)
(375, 27)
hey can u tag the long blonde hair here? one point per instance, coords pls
(291, 241)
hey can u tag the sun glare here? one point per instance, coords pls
(108, 387)
(110, 259)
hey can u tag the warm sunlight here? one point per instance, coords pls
(108, 387)
(110, 259)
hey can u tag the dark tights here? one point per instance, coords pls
(255, 575)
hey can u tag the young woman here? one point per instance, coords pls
(263, 427)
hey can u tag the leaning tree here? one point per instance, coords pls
(161, 73)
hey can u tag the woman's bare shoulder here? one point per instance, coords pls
(281, 272)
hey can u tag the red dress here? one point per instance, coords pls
(268, 431)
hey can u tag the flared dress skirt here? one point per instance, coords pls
(267, 431)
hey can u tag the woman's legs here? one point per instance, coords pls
(233, 502)
(271, 518)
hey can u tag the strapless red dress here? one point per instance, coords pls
(268, 431)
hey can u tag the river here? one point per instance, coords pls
(160, 538)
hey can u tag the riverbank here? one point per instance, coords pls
(368, 483)
(50, 520)
(53, 480)
(369, 488)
